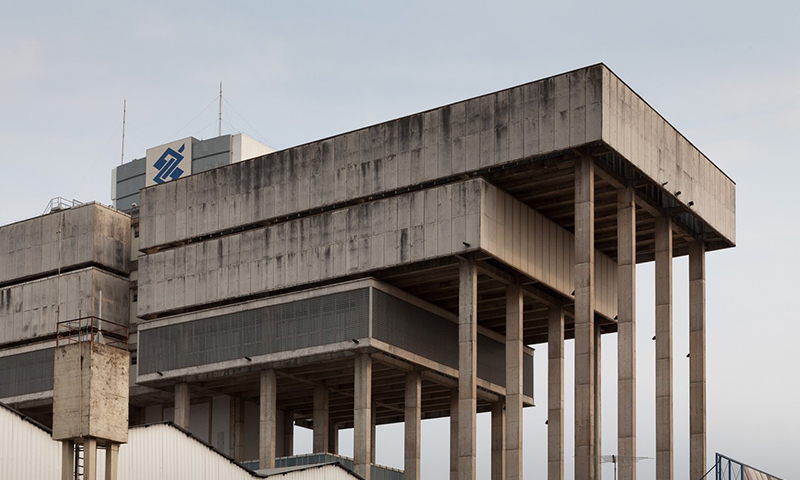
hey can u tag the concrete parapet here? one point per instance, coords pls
(92, 235)
(29, 310)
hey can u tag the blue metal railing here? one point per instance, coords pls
(726, 468)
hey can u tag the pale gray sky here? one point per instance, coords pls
(726, 74)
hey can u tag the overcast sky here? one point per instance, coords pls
(725, 74)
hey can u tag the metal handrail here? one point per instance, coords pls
(92, 329)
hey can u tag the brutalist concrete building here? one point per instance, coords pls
(397, 273)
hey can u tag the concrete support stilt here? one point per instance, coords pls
(697, 359)
(413, 425)
(626, 333)
(89, 458)
(555, 394)
(320, 419)
(598, 385)
(373, 425)
(664, 424)
(454, 435)
(586, 461)
(514, 377)
(112, 461)
(498, 441)
(268, 423)
(333, 438)
(67, 460)
(362, 416)
(467, 367)
(237, 428)
(288, 433)
(182, 405)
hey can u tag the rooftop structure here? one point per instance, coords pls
(401, 271)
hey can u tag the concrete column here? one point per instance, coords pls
(268, 419)
(467, 367)
(626, 333)
(413, 425)
(237, 428)
(555, 394)
(112, 461)
(586, 461)
(513, 406)
(598, 416)
(362, 416)
(89, 458)
(333, 438)
(664, 440)
(697, 359)
(454, 435)
(373, 425)
(320, 419)
(498, 441)
(67, 460)
(182, 405)
(288, 433)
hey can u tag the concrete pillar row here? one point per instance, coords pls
(467, 367)
(514, 382)
(362, 416)
(333, 438)
(664, 399)
(182, 405)
(697, 359)
(268, 419)
(413, 425)
(587, 463)
(555, 394)
(321, 419)
(626, 333)
(498, 441)
(237, 428)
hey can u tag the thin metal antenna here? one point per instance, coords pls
(124, 110)
(220, 110)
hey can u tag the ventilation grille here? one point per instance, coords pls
(29, 372)
(277, 328)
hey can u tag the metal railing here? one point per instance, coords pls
(92, 329)
(726, 468)
(60, 203)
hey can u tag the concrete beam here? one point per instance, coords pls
(321, 419)
(586, 462)
(182, 405)
(362, 416)
(498, 441)
(697, 359)
(555, 394)
(467, 367)
(626, 332)
(413, 425)
(268, 419)
(514, 381)
(664, 423)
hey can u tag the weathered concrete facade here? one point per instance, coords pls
(400, 271)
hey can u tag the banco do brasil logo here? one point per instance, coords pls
(167, 165)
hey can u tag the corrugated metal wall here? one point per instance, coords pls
(27, 451)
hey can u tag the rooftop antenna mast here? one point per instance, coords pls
(124, 110)
(219, 134)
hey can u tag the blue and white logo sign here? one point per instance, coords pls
(169, 162)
